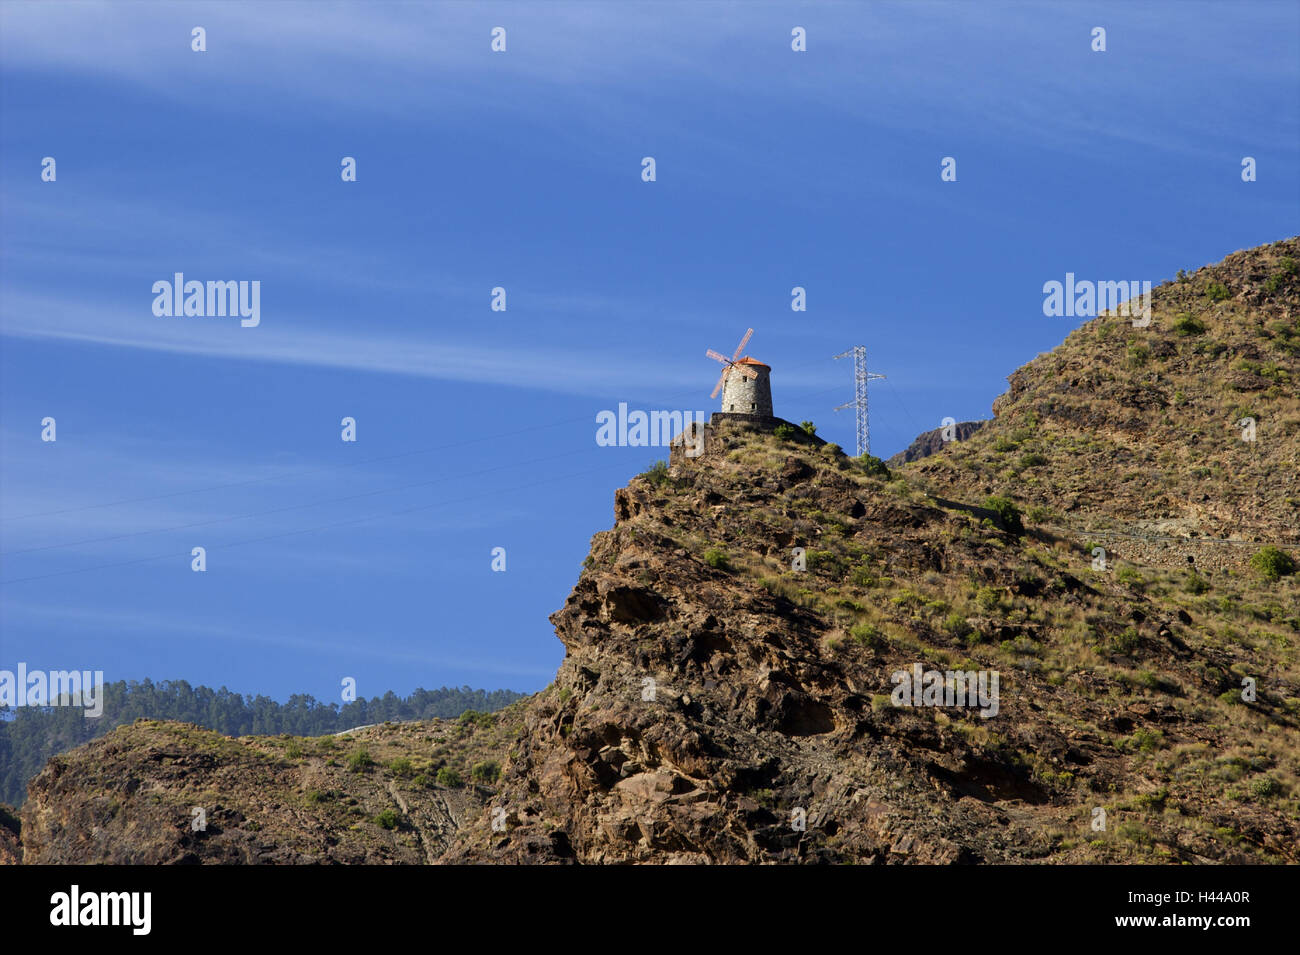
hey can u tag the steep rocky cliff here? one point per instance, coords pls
(733, 644)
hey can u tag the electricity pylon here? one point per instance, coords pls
(859, 402)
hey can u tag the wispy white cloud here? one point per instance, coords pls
(873, 64)
(294, 341)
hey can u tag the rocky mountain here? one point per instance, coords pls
(737, 645)
(932, 442)
(1187, 428)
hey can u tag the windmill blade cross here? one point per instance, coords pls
(741, 347)
(732, 364)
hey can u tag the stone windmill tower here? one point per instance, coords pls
(745, 383)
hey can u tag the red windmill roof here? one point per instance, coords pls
(751, 361)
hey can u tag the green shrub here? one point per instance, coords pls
(315, 797)
(1136, 832)
(1265, 787)
(485, 773)
(360, 761)
(658, 474)
(1138, 355)
(862, 576)
(1124, 643)
(1130, 576)
(809, 427)
(907, 598)
(1186, 324)
(475, 718)
(1032, 460)
(450, 778)
(957, 625)
(715, 558)
(1216, 291)
(868, 635)
(1006, 513)
(826, 560)
(1286, 268)
(387, 818)
(401, 767)
(1146, 741)
(1155, 800)
(873, 465)
(1273, 562)
(784, 431)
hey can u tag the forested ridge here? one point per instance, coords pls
(30, 735)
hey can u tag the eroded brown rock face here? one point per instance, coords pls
(11, 850)
(732, 644)
(700, 712)
(932, 442)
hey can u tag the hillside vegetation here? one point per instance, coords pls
(728, 690)
(31, 735)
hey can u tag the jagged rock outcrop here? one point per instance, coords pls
(733, 641)
(709, 717)
(932, 442)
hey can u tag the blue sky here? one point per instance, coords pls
(522, 169)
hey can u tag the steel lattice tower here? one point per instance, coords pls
(859, 402)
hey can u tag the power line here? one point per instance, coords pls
(892, 392)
